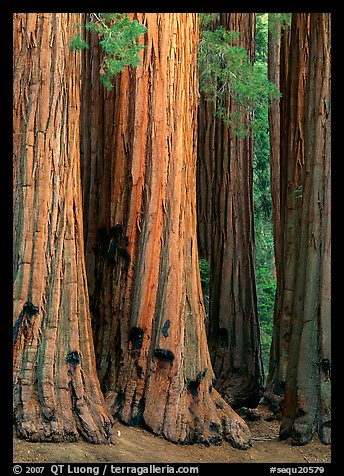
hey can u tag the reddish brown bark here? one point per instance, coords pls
(307, 403)
(148, 312)
(234, 340)
(278, 124)
(56, 391)
(205, 175)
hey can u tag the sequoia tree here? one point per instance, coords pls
(278, 61)
(300, 360)
(307, 255)
(147, 305)
(226, 237)
(56, 390)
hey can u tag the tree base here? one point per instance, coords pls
(195, 418)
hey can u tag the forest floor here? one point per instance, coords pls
(135, 445)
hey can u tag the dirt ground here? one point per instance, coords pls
(135, 445)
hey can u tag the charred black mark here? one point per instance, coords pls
(124, 254)
(215, 440)
(116, 230)
(29, 309)
(136, 337)
(25, 318)
(300, 413)
(115, 234)
(109, 243)
(111, 254)
(223, 337)
(164, 354)
(193, 385)
(326, 365)
(165, 328)
(73, 359)
(215, 427)
(139, 369)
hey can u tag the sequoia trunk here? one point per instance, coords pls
(148, 311)
(234, 338)
(307, 403)
(56, 390)
(278, 124)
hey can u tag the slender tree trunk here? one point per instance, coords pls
(154, 363)
(205, 166)
(205, 175)
(56, 391)
(307, 403)
(234, 339)
(274, 55)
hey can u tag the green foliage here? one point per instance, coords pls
(77, 43)
(278, 20)
(206, 19)
(225, 71)
(262, 28)
(266, 283)
(204, 268)
(118, 39)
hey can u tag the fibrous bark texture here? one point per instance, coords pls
(306, 269)
(278, 125)
(57, 395)
(300, 360)
(148, 312)
(225, 178)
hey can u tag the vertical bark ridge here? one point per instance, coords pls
(56, 391)
(279, 345)
(233, 320)
(307, 403)
(157, 314)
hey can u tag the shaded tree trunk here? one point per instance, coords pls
(56, 390)
(234, 339)
(274, 56)
(307, 402)
(147, 301)
(278, 124)
(205, 166)
(205, 175)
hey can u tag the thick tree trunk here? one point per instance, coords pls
(153, 362)
(307, 404)
(234, 339)
(278, 124)
(56, 390)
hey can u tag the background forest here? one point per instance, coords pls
(171, 225)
